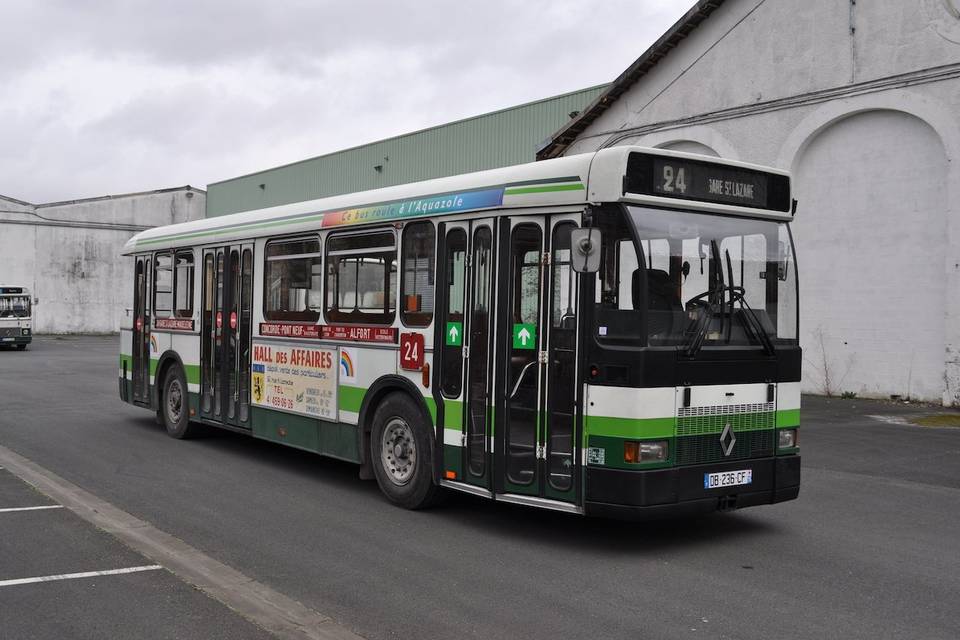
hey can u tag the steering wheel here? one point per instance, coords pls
(700, 301)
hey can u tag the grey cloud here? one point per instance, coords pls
(314, 77)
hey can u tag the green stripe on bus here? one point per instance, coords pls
(630, 427)
(452, 415)
(351, 398)
(519, 191)
(666, 427)
(788, 418)
(191, 371)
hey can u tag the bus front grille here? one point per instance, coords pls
(705, 449)
(9, 332)
(699, 431)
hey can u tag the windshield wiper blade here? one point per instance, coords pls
(756, 326)
(706, 314)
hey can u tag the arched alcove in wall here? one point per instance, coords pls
(689, 146)
(871, 233)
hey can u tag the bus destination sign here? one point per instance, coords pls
(704, 181)
(677, 178)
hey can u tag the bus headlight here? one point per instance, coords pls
(788, 439)
(635, 452)
(25, 332)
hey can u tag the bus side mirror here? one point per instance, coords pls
(585, 250)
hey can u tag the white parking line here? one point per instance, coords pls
(73, 576)
(46, 506)
(283, 616)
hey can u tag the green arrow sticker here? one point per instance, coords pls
(524, 336)
(454, 334)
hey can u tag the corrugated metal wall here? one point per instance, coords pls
(497, 139)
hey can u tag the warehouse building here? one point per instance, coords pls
(68, 253)
(498, 139)
(861, 101)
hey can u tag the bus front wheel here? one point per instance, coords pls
(175, 405)
(21, 347)
(400, 453)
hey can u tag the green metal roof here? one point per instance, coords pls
(498, 139)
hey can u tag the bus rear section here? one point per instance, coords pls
(16, 319)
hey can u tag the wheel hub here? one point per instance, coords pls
(398, 451)
(174, 402)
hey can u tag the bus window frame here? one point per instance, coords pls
(407, 318)
(335, 315)
(268, 314)
(167, 313)
(188, 312)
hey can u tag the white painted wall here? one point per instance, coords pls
(810, 87)
(69, 253)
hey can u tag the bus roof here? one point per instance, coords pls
(570, 180)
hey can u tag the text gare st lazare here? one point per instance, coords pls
(730, 188)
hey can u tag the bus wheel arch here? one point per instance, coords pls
(375, 395)
(167, 359)
(171, 380)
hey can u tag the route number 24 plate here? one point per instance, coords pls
(727, 479)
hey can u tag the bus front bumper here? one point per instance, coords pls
(6, 341)
(667, 493)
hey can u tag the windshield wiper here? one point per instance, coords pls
(755, 326)
(752, 321)
(706, 314)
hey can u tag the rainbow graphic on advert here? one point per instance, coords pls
(447, 203)
(346, 365)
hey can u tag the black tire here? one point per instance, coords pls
(175, 405)
(21, 347)
(401, 453)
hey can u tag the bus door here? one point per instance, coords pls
(141, 331)
(464, 360)
(225, 334)
(537, 451)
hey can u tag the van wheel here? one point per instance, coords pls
(401, 454)
(175, 405)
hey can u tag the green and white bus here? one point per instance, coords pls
(16, 319)
(613, 333)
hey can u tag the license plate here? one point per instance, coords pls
(7, 339)
(727, 479)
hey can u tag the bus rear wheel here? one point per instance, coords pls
(175, 405)
(400, 453)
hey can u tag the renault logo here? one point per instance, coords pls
(727, 439)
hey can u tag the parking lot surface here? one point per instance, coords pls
(47, 556)
(869, 550)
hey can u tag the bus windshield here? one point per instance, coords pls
(694, 280)
(14, 306)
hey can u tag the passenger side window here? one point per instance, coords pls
(292, 279)
(183, 284)
(362, 278)
(419, 240)
(163, 285)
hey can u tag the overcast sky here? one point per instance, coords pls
(101, 97)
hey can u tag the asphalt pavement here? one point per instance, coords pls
(871, 549)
